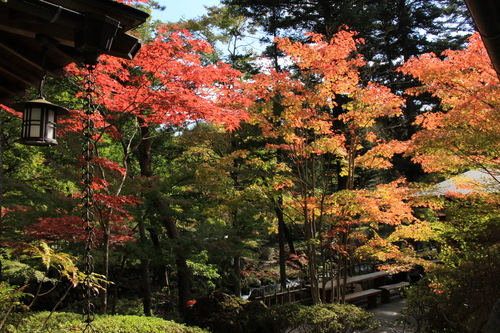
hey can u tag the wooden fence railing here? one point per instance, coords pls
(290, 295)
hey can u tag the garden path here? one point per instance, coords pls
(387, 314)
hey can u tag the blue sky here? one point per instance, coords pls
(177, 9)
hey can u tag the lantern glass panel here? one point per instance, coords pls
(36, 114)
(51, 124)
(32, 123)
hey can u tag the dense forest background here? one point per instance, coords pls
(262, 143)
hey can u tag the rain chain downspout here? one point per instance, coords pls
(93, 39)
(88, 202)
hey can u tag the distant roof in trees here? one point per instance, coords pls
(467, 182)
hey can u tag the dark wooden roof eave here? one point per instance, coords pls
(22, 20)
(28, 17)
(486, 16)
(129, 17)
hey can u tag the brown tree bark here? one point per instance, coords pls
(171, 230)
(183, 280)
(146, 278)
(281, 238)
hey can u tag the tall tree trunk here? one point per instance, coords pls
(281, 237)
(145, 164)
(310, 233)
(168, 223)
(283, 232)
(118, 280)
(159, 270)
(146, 288)
(237, 258)
(183, 280)
(237, 273)
(313, 273)
(145, 151)
(404, 21)
(289, 238)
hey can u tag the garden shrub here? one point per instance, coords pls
(458, 295)
(222, 313)
(11, 307)
(61, 322)
(336, 318)
(321, 318)
(280, 318)
(455, 299)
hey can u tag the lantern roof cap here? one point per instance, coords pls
(20, 106)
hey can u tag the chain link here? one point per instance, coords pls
(88, 153)
(41, 95)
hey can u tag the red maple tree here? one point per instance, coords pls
(168, 83)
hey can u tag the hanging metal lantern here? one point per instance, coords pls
(39, 122)
(39, 115)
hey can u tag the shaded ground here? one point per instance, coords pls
(388, 314)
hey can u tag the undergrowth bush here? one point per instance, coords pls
(321, 318)
(221, 313)
(61, 322)
(281, 317)
(454, 299)
(10, 303)
(459, 294)
(337, 318)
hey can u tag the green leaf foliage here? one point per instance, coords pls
(223, 313)
(458, 294)
(72, 322)
(10, 297)
(455, 299)
(320, 318)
